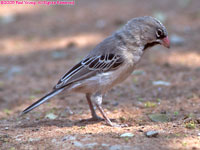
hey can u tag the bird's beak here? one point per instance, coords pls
(165, 42)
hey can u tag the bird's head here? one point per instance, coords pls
(148, 32)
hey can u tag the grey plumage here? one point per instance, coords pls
(110, 62)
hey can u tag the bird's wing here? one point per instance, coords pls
(89, 67)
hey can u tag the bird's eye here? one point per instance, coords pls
(159, 33)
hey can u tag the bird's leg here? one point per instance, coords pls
(98, 102)
(95, 117)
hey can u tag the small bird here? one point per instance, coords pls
(110, 63)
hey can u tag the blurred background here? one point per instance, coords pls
(38, 44)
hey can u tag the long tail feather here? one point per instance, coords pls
(41, 101)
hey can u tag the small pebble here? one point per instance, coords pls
(33, 139)
(53, 140)
(115, 147)
(7, 19)
(164, 83)
(69, 138)
(138, 72)
(51, 116)
(104, 145)
(124, 135)
(160, 16)
(176, 40)
(14, 70)
(90, 145)
(120, 147)
(78, 144)
(151, 133)
(85, 139)
(58, 54)
(100, 24)
(115, 103)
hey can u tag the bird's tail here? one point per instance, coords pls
(41, 101)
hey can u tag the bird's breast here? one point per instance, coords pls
(112, 78)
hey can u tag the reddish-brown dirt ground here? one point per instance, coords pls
(42, 42)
